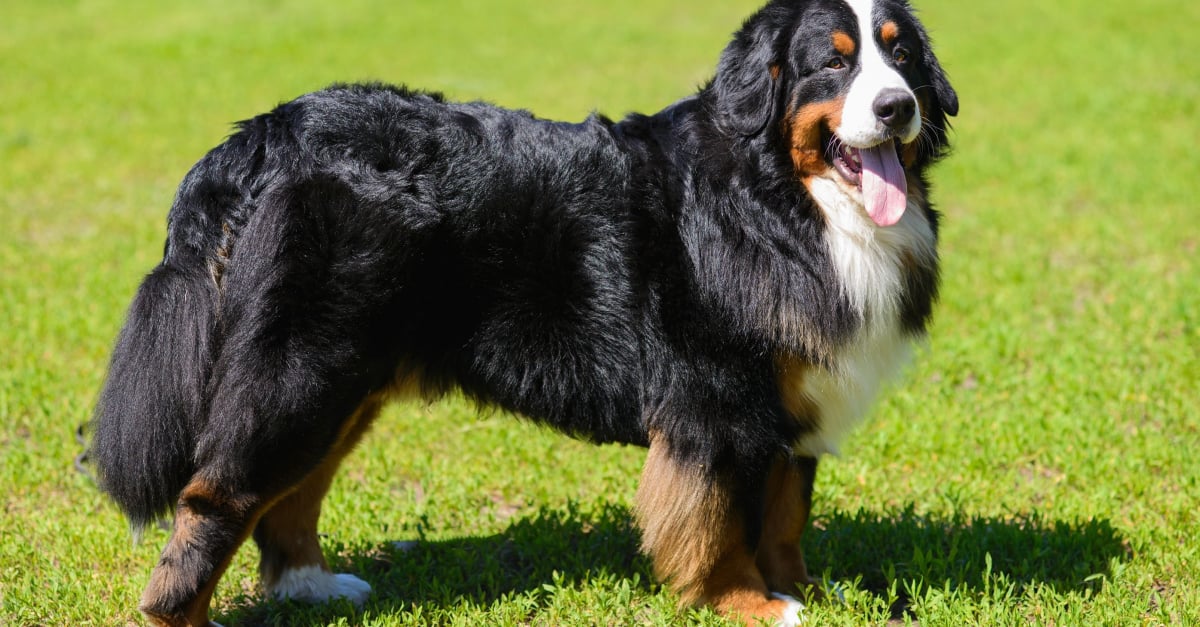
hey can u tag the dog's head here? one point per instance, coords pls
(851, 89)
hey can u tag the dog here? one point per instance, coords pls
(728, 282)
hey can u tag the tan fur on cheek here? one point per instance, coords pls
(804, 129)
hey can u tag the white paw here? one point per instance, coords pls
(314, 585)
(793, 615)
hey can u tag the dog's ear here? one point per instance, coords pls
(747, 79)
(947, 97)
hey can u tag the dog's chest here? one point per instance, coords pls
(838, 395)
(870, 263)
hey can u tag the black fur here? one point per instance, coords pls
(612, 280)
(147, 415)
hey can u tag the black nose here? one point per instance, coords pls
(895, 108)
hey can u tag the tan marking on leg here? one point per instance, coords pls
(212, 520)
(789, 503)
(210, 525)
(734, 585)
(697, 541)
(287, 533)
(681, 514)
(736, 588)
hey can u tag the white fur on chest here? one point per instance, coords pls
(869, 261)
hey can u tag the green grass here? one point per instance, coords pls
(1038, 464)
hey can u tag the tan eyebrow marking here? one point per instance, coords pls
(889, 32)
(843, 43)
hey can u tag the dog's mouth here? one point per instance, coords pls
(848, 162)
(876, 172)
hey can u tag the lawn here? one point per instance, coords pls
(1039, 463)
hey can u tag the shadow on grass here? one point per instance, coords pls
(553, 547)
(954, 549)
(566, 547)
(524, 557)
(953, 552)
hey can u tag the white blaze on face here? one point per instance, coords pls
(860, 127)
(884, 184)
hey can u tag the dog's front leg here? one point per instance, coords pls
(699, 542)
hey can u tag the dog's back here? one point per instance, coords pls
(329, 244)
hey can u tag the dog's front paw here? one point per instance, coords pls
(793, 613)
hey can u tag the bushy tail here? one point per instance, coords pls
(145, 425)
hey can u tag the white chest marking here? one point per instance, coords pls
(869, 262)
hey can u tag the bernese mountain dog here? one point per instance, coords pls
(727, 282)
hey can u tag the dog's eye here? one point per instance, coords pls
(900, 55)
(836, 63)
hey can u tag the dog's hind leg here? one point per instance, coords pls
(292, 565)
(241, 480)
(210, 522)
(304, 341)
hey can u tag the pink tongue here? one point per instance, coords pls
(885, 190)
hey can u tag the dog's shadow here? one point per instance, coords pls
(569, 547)
(958, 552)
